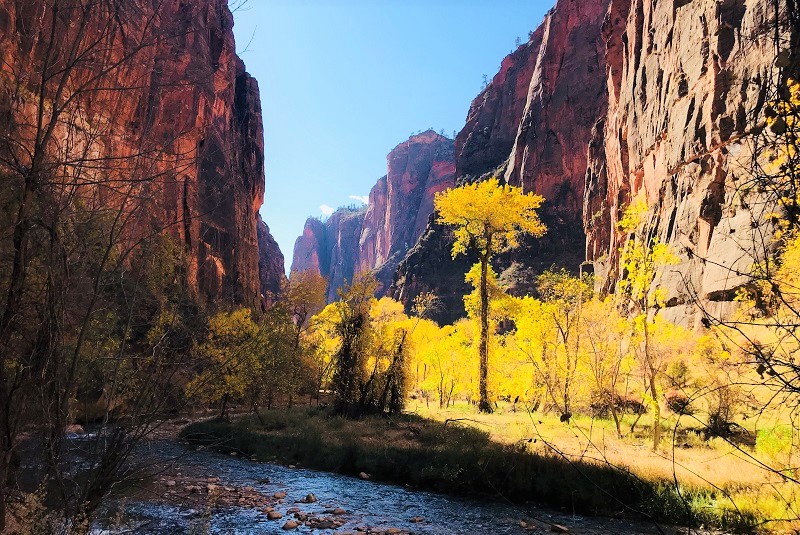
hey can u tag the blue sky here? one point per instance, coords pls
(345, 81)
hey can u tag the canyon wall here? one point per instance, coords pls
(531, 126)
(611, 101)
(170, 108)
(686, 85)
(377, 236)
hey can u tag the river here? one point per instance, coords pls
(176, 503)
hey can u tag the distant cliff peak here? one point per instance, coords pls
(376, 237)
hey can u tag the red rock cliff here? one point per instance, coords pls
(685, 84)
(377, 237)
(531, 126)
(664, 95)
(164, 76)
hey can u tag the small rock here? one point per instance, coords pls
(363, 475)
(393, 531)
(418, 520)
(325, 524)
(558, 528)
(211, 487)
(274, 515)
(310, 498)
(234, 454)
(74, 429)
(339, 511)
(292, 466)
(290, 524)
(170, 483)
(268, 510)
(279, 495)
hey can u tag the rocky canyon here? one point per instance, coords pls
(610, 101)
(376, 237)
(164, 101)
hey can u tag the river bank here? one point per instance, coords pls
(235, 495)
(459, 460)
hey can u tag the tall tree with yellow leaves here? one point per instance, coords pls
(489, 217)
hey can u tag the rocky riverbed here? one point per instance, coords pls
(201, 491)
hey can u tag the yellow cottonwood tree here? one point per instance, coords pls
(489, 217)
(640, 261)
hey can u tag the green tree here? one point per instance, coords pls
(489, 217)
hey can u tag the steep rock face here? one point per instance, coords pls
(184, 96)
(685, 85)
(531, 126)
(331, 248)
(270, 263)
(402, 201)
(378, 236)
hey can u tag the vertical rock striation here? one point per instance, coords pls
(378, 236)
(685, 84)
(270, 264)
(184, 96)
(531, 126)
(611, 100)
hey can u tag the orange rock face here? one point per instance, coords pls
(531, 126)
(376, 237)
(685, 83)
(608, 100)
(167, 79)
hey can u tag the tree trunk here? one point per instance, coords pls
(484, 405)
(653, 388)
(224, 406)
(615, 416)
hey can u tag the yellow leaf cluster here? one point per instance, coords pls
(489, 216)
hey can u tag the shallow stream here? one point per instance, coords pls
(370, 507)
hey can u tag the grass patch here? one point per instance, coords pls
(458, 458)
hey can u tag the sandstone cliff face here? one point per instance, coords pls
(531, 126)
(331, 248)
(376, 237)
(181, 105)
(685, 83)
(270, 263)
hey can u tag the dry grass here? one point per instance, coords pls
(737, 476)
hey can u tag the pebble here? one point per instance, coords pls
(170, 483)
(279, 495)
(274, 515)
(290, 524)
(419, 520)
(310, 498)
(363, 475)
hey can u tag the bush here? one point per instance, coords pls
(678, 402)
